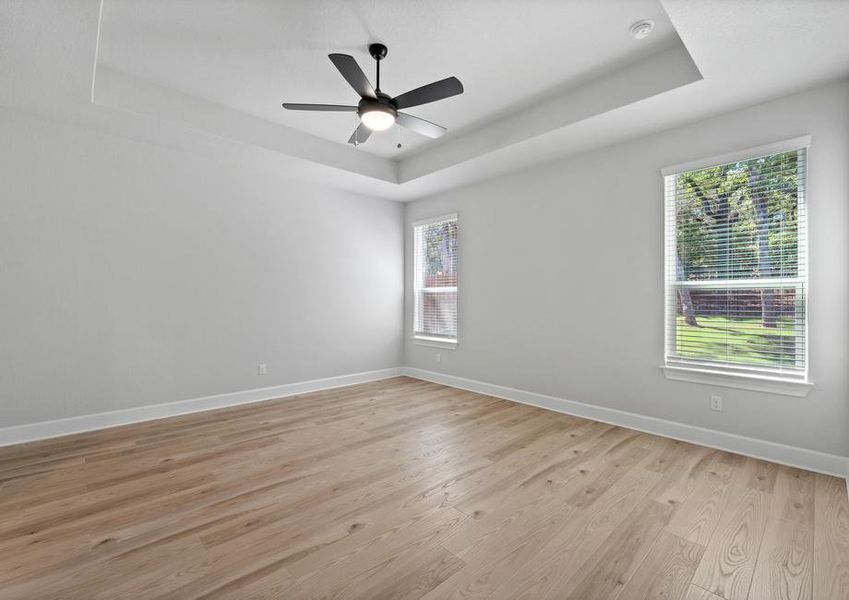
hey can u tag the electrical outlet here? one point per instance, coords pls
(716, 403)
(439, 357)
(261, 369)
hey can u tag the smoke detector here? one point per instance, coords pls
(641, 29)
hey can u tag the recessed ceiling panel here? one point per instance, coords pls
(251, 56)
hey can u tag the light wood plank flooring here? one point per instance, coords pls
(408, 489)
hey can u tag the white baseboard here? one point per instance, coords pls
(812, 460)
(48, 429)
(830, 464)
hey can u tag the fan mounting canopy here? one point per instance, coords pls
(378, 51)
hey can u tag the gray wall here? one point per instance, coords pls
(133, 274)
(561, 277)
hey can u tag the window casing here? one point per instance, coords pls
(435, 281)
(736, 265)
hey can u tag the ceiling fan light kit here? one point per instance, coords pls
(379, 111)
(377, 118)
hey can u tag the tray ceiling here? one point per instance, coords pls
(251, 56)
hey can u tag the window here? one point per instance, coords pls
(435, 280)
(736, 277)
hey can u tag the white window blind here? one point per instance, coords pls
(435, 279)
(736, 258)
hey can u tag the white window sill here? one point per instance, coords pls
(434, 342)
(771, 385)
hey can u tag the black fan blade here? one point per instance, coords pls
(353, 74)
(429, 93)
(360, 134)
(321, 107)
(431, 130)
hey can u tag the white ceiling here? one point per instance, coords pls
(250, 56)
(731, 53)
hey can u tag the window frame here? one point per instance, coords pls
(741, 376)
(433, 340)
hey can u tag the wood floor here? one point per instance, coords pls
(408, 489)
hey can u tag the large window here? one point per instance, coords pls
(435, 280)
(736, 279)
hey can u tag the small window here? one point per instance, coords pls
(736, 266)
(435, 280)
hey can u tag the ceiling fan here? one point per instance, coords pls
(378, 111)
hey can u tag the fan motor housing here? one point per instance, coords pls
(381, 103)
